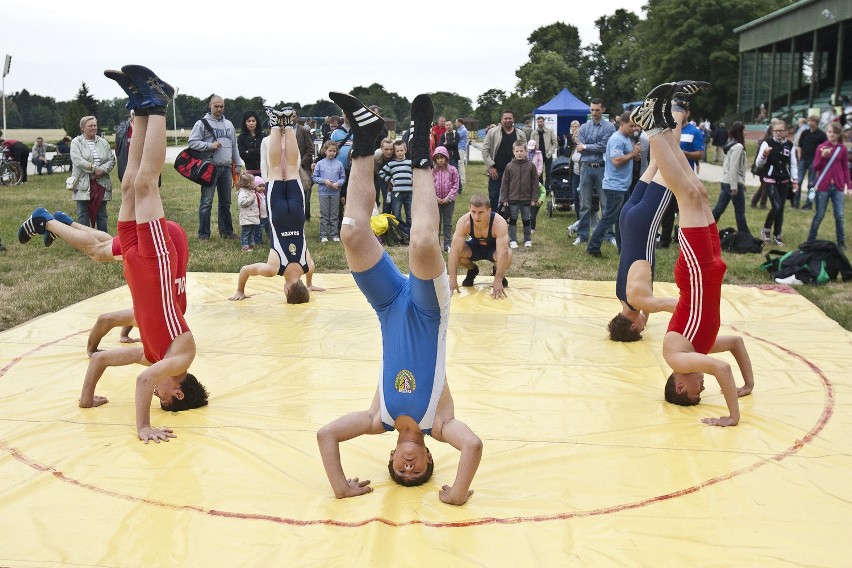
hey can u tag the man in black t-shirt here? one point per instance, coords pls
(497, 152)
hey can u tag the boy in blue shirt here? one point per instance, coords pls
(413, 397)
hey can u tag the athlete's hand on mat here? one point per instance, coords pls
(99, 400)
(745, 390)
(238, 296)
(156, 434)
(128, 339)
(723, 421)
(446, 496)
(497, 290)
(313, 288)
(356, 488)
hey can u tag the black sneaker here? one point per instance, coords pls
(471, 276)
(35, 225)
(287, 118)
(154, 91)
(654, 112)
(365, 124)
(422, 113)
(274, 116)
(505, 282)
(134, 97)
(683, 90)
(49, 238)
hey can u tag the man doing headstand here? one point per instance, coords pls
(150, 264)
(694, 327)
(288, 252)
(412, 397)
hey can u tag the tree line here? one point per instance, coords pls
(675, 40)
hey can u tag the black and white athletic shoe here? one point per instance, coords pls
(471, 276)
(365, 124)
(683, 91)
(274, 116)
(35, 225)
(655, 112)
(422, 113)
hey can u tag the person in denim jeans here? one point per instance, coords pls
(806, 146)
(832, 181)
(591, 142)
(221, 145)
(733, 177)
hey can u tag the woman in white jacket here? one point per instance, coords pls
(733, 177)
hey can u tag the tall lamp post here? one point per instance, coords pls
(174, 111)
(6, 66)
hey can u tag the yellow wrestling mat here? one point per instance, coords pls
(584, 464)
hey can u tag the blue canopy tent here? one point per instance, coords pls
(566, 107)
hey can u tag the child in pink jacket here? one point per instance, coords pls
(446, 188)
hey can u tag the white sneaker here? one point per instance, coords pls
(572, 230)
(336, 239)
(528, 244)
(613, 242)
(790, 280)
(513, 244)
(579, 241)
(323, 240)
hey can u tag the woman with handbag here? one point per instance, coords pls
(92, 160)
(832, 181)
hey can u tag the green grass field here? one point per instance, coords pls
(35, 280)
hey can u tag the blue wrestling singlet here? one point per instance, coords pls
(286, 212)
(413, 315)
(640, 219)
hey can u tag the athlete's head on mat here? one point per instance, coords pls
(622, 328)
(176, 393)
(296, 292)
(684, 388)
(410, 464)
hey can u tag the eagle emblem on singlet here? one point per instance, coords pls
(405, 382)
(292, 248)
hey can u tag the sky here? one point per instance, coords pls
(266, 49)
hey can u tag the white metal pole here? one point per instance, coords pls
(4, 105)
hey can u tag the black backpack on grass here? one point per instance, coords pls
(732, 240)
(814, 262)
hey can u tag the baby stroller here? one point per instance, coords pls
(561, 194)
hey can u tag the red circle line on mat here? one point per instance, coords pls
(825, 416)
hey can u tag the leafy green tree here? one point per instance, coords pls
(556, 62)
(545, 75)
(392, 105)
(451, 105)
(488, 106)
(558, 37)
(695, 40)
(322, 108)
(613, 62)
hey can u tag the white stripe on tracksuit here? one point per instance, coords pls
(166, 279)
(696, 289)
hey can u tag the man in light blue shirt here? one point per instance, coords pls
(591, 143)
(618, 173)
